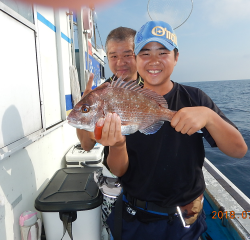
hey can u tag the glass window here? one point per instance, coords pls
(25, 10)
(20, 109)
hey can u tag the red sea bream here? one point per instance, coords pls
(139, 108)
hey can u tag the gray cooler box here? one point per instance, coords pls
(72, 192)
(77, 157)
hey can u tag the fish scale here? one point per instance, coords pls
(139, 109)
(132, 108)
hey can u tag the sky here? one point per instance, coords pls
(214, 43)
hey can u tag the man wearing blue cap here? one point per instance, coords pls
(161, 173)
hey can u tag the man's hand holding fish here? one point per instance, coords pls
(112, 137)
(189, 120)
(111, 130)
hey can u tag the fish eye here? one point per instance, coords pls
(85, 108)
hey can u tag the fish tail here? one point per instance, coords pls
(168, 115)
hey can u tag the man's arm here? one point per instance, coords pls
(87, 139)
(228, 139)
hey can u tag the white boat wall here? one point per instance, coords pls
(35, 60)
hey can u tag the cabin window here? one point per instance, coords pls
(47, 30)
(102, 72)
(20, 111)
(23, 9)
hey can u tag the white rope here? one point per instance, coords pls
(74, 84)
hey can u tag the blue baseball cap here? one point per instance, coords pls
(155, 31)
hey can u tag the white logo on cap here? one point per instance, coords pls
(160, 31)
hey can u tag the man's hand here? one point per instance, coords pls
(228, 139)
(189, 120)
(111, 136)
(88, 88)
(111, 131)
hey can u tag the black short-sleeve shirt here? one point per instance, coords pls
(166, 167)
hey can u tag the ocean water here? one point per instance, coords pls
(232, 97)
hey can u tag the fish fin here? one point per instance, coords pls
(103, 85)
(132, 85)
(152, 128)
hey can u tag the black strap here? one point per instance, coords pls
(150, 206)
(118, 218)
(117, 233)
(67, 218)
(67, 225)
